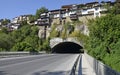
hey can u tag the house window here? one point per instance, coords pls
(96, 9)
(84, 10)
(97, 14)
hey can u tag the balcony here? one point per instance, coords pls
(44, 20)
(44, 16)
(90, 12)
(73, 17)
(43, 23)
(79, 13)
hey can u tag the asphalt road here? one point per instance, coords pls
(51, 64)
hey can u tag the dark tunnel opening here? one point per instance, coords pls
(67, 47)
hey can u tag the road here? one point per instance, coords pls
(46, 64)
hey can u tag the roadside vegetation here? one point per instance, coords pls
(68, 29)
(104, 39)
(24, 39)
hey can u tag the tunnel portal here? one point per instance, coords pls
(67, 47)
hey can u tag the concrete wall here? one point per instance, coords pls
(85, 18)
(56, 21)
(99, 67)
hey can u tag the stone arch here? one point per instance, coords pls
(67, 47)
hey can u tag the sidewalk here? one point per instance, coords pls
(86, 68)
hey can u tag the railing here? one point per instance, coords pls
(99, 67)
(15, 54)
(73, 71)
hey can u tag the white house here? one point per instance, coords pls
(15, 26)
(15, 20)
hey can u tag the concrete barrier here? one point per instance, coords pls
(99, 67)
(15, 54)
(74, 68)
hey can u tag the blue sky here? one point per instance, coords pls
(13, 8)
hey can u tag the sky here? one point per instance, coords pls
(13, 8)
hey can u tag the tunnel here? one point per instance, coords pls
(67, 47)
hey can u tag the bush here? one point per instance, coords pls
(103, 42)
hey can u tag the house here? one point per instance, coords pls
(92, 5)
(44, 19)
(72, 12)
(15, 20)
(55, 13)
(70, 9)
(56, 16)
(14, 26)
(21, 18)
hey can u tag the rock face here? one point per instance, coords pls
(44, 32)
(41, 32)
(83, 29)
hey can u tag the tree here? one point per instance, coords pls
(104, 39)
(17, 35)
(34, 30)
(40, 11)
(115, 8)
(54, 32)
(32, 18)
(33, 41)
(46, 46)
(6, 42)
(5, 21)
(22, 46)
(4, 30)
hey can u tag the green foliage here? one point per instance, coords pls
(104, 39)
(115, 63)
(22, 46)
(81, 37)
(24, 39)
(5, 21)
(40, 11)
(68, 28)
(64, 34)
(27, 35)
(4, 30)
(32, 18)
(23, 23)
(54, 32)
(16, 35)
(46, 46)
(114, 9)
(75, 34)
(6, 42)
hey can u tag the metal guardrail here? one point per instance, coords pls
(73, 71)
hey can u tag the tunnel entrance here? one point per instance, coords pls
(67, 47)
